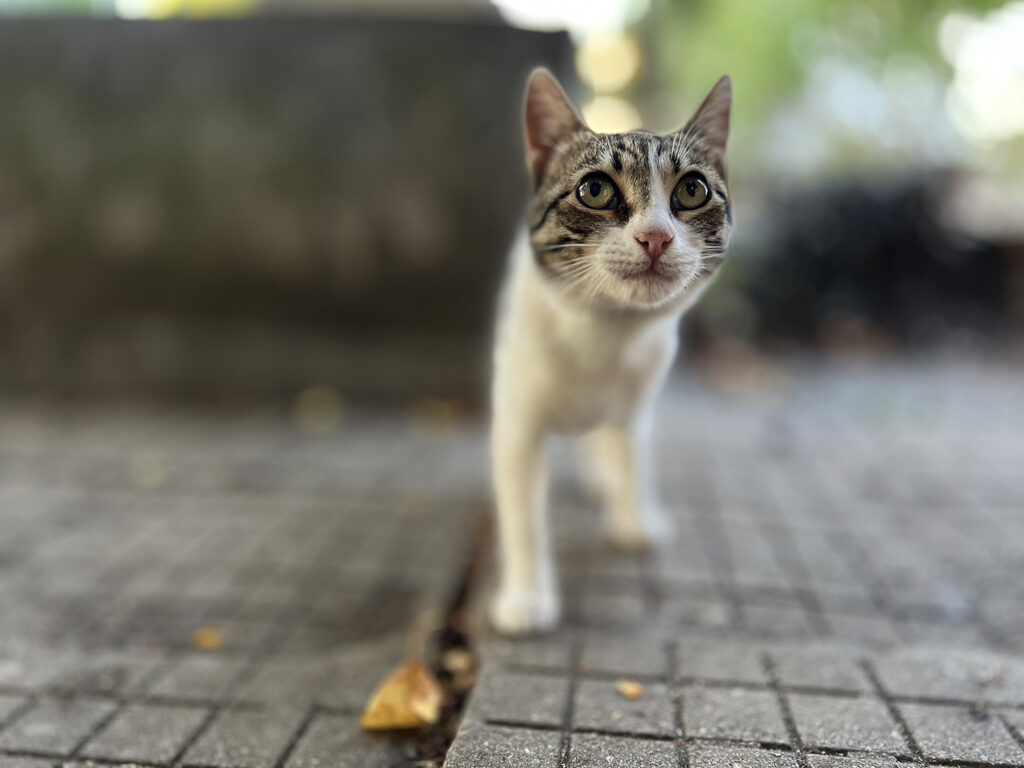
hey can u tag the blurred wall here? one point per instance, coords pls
(255, 206)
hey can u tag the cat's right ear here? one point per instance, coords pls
(550, 118)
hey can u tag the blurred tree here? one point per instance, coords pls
(774, 51)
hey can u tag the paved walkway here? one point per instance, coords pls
(309, 557)
(847, 588)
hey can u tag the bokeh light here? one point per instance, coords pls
(610, 114)
(986, 97)
(608, 61)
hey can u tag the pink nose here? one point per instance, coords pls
(654, 243)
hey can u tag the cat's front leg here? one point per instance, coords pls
(620, 467)
(527, 597)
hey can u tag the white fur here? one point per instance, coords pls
(566, 364)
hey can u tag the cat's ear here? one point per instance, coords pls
(710, 123)
(550, 118)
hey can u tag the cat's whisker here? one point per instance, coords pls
(559, 246)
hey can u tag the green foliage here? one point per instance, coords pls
(770, 47)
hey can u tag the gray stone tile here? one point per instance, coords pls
(594, 751)
(626, 656)
(600, 706)
(696, 613)
(958, 733)
(479, 745)
(146, 733)
(357, 672)
(519, 698)
(702, 756)
(966, 675)
(9, 704)
(544, 653)
(779, 621)
(107, 672)
(1015, 719)
(872, 631)
(721, 662)
(200, 676)
(31, 666)
(603, 609)
(838, 722)
(292, 681)
(246, 738)
(55, 725)
(852, 761)
(733, 713)
(820, 668)
(337, 741)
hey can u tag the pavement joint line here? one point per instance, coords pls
(300, 731)
(652, 593)
(894, 712)
(724, 574)
(672, 659)
(787, 714)
(147, 680)
(61, 693)
(575, 657)
(854, 554)
(45, 755)
(202, 728)
(783, 746)
(1014, 732)
(27, 706)
(780, 538)
(219, 706)
(813, 690)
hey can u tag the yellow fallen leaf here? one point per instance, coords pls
(630, 689)
(207, 639)
(410, 697)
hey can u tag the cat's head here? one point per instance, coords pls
(630, 221)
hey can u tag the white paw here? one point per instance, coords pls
(524, 613)
(653, 530)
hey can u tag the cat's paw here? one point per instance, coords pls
(524, 613)
(655, 530)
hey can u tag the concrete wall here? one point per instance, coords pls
(253, 206)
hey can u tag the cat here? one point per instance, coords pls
(624, 233)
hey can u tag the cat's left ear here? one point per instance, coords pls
(711, 122)
(550, 119)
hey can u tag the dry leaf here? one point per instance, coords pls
(410, 697)
(630, 689)
(207, 639)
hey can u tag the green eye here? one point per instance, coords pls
(597, 191)
(691, 192)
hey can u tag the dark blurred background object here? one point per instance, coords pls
(875, 264)
(232, 203)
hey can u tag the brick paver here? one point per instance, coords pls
(844, 590)
(308, 556)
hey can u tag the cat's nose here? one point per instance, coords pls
(654, 243)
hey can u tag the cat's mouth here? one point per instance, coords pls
(651, 273)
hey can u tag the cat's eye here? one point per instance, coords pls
(597, 191)
(691, 192)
